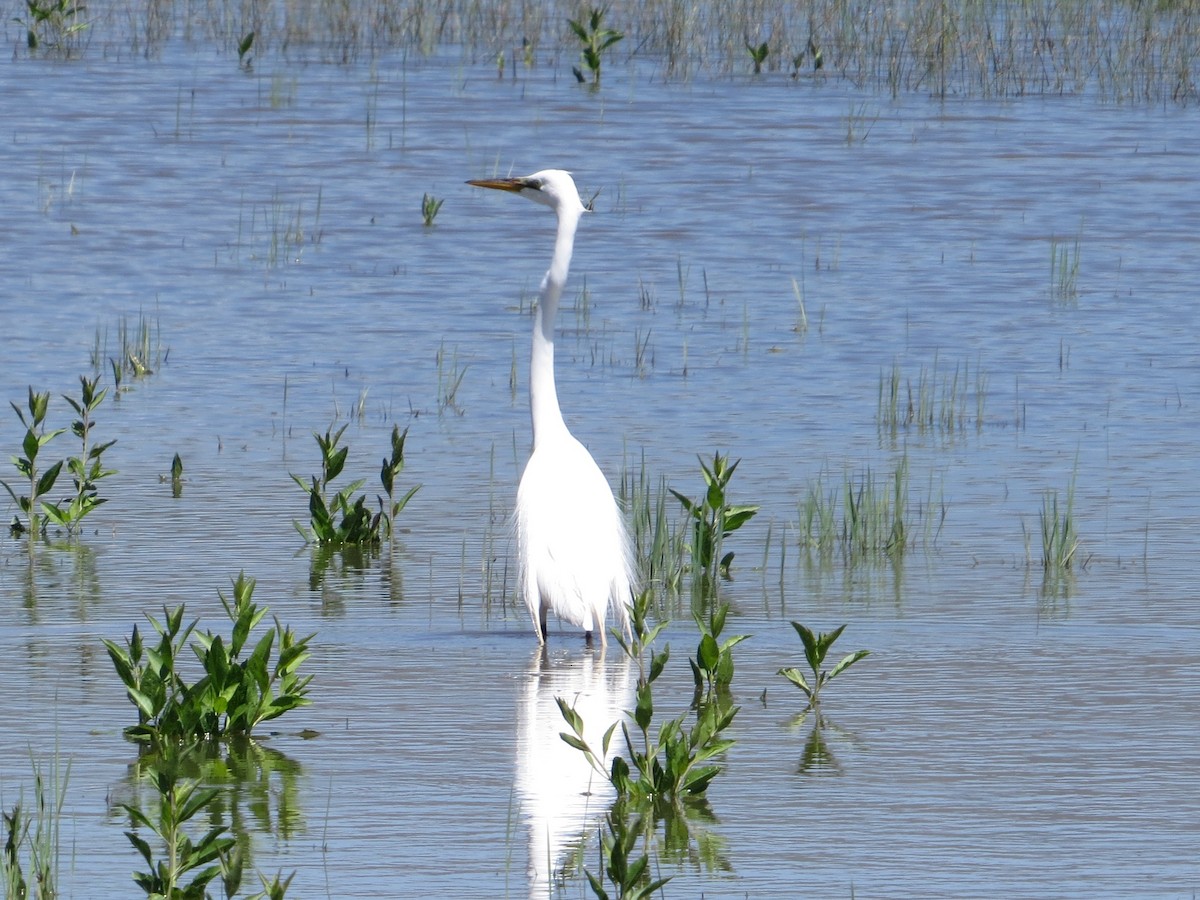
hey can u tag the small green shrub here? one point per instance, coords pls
(816, 647)
(236, 693)
(714, 518)
(341, 519)
(594, 40)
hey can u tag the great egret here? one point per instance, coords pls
(572, 546)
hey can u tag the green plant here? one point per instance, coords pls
(1059, 539)
(430, 206)
(868, 518)
(29, 860)
(53, 25)
(243, 48)
(336, 520)
(594, 40)
(758, 55)
(664, 766)
(657, 541)
(1064, 270)
(87, 468)
(712, 667)
(340, 519)
(188, 865)
(39, 483)
(713, 518)
(620, 863)
(176, 476)
(236, 693)
(816, 647)
(388, 473)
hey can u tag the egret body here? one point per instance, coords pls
(572, 546)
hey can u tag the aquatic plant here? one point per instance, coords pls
(29, 859)
(657, 541)
(816, 647)
(666, 767)
(389, 471)
(243, 49)
(712, 667)
(187, 865)
(868, 517)
(1059, 539)
(54, 25)
(39, 483)
(938, 402)
(621, 864)
(1064, 270)
(237, 692)
(758, 55)
(714, 518)
(450, 377)
(340, 519)
(139, 351)
(87, 468)
(430, 206)
(595, 40)
(673, 763)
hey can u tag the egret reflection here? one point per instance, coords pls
(562, 798)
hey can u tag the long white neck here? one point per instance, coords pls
(543, 397)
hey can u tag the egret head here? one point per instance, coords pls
(550, 187)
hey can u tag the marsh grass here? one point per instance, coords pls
(1112, 50)
(937, 402)
(867, 517)
(137, 352)
(656, 528)
(29, 862)
(1064, 270)
(1060, 542)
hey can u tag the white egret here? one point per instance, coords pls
(572, 546)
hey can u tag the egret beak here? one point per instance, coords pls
(513, 185)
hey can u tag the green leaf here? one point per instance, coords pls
(848, 660)
(708, 653)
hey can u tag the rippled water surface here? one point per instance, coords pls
(762, 254)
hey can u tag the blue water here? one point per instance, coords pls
(1001, 738)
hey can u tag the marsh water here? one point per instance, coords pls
(763, 252)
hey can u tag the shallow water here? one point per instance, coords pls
(1002, 737)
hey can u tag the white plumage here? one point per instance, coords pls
(572, 546)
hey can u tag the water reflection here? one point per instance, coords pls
(561, 796)
(817, 757)
(58, 570)
(259, 789)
